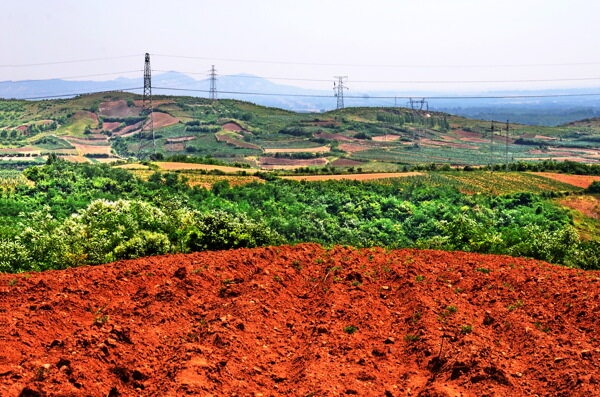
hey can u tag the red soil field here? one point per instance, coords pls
(130, 129)
(154, 102)
(318, 149)
(303, 321)
(435, 142)
(331, 122)
(346, 163)
(296, 162)
(118, 109)
(582, 181)
(587, 205)
(236, 142)
(18, 150)
(75, 159)
(181, 139)
(175, 147)
(353, 177)
(334, 137)
(109, 126)
(545, 138)
(386, 138)
(161, 120)
(231, 126)
(467, 134)
(352, 148)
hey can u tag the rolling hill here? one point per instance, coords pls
(105, 127)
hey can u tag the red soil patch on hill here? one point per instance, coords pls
(386, 138)
(175, 147)
(154, 102)
(303, 321)
(109, 126)
(435, 142)
(582, 181)
(181, 139)
(294, 162)
(468, 134)
(130, 129)
(322, 123)
(352, 148)
(345, 163)
(161, 120)
(334, 137)
(118, 109)
(231, 126)
(236, 142)
(587, 205)
(18, 150)
(352, 177)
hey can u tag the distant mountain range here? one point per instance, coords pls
(544, 111)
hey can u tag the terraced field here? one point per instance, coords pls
(236, 131)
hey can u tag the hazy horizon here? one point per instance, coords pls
(383, 41)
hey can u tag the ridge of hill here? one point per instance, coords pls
(303, 320)
(527, 108)
(105, 127)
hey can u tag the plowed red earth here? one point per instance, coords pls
(303, 321)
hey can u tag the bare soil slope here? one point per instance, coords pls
(303, 321)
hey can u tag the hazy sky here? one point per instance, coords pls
(441, 33)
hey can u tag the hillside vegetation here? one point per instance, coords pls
(108, 126)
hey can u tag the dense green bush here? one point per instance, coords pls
(91, 214)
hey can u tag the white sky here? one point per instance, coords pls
(374, 32)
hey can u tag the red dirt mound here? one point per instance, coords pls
(303, 321)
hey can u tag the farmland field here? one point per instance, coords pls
(352, 177)
(234, 131)
(10, 179)
(173, 166)
(581, 181)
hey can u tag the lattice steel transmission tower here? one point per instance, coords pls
(213, 83)
(147, 131)
(492, 130)
(417, 106)
(338, 90)
(507, 138)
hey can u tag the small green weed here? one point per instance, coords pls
(350, 329)
(515, 305)
(411, 338)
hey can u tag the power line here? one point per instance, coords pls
(78, 77)
(75, 94)
(67, 61)
(241, 76)
(378, 65)
(311, 95)
(386, 97)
